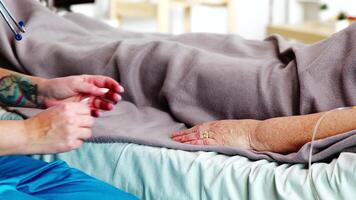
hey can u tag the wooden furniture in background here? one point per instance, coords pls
(161, 11)
(311, 30)
(307, 32)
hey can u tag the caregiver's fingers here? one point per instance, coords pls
(95, 113)
(106, 82)
(99, 103)
(207, 141)
(113, 97)
(91, 89)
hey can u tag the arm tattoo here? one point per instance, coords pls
(16, 90)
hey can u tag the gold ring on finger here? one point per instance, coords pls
(205, 134)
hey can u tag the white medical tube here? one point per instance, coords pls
(315, 130)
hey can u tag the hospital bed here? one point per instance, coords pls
(160, 173)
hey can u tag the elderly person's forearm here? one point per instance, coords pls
(288, 134)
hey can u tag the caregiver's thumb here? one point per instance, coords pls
(59, 129)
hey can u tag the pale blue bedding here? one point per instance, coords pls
(160, 173)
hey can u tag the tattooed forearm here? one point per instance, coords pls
(16, 90)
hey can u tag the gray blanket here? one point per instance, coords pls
(174, 82)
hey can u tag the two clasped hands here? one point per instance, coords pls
(72, 104)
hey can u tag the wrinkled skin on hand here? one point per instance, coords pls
(233, 133)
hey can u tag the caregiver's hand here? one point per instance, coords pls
(103, 92)
(234, 133)
(58, 129)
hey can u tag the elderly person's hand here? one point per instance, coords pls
(102, 92)
(234, 133)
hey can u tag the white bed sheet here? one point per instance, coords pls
(160, 173)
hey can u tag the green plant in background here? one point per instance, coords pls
(324, 6)
(342, 16)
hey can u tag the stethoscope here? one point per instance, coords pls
(5, 13)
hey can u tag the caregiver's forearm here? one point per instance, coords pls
(13, 137)
(19, 90)
(288, 134)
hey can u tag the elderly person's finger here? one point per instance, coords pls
(180, 133)
(207, 141)
(184, 132)
(188, 137)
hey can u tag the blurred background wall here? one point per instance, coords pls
(251, 17)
